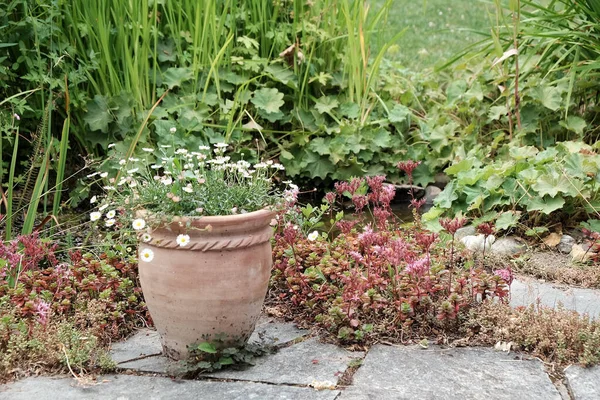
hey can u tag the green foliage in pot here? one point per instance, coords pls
(181, 182)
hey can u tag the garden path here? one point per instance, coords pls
(304, 368)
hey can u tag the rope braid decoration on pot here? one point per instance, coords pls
(215, 244)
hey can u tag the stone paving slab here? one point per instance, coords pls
(300, 364)
(131, 387)
(146, 342)
(527, 292)
(414, 373)
(584, 383)
(155, 365)
(142, 351)
(275, 333)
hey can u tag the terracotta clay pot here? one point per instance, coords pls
(212, 288)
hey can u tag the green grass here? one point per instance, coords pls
(436, 29)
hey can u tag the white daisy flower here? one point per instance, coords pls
(109, 222)
(122, 162)
(111, 214)
(146, 237)
(183, 240)
(104, 175)
(154, 166)
(138, 224)
(146, 255)
(203, 148)
(173, 130)
(313, 236)
(188, 188)
(93, 199)
(221, 145)
(95, 216)
(167, 180)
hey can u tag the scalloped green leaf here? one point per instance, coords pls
(551, 184)
(206, 347)
(98, 115)
(546, 204)
(522, 153)
(448, 195)
(508, 219)
(399, 114)
(574, 124)
(326, 104)
(269, 100)
(173, 77)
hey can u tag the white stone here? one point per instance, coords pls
(476, 242)
(508, 246)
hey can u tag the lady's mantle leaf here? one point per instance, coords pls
(176, 76)
(546, 205)
(551, 184)
(268, 100)
(508, 219)
(326, 104)
(98, 116)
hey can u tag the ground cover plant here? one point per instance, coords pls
(558, 336)
(59, 312)
(377, 280)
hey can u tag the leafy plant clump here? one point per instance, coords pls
(58, 316)
(376, 279)
(213, 356)
(529, 186)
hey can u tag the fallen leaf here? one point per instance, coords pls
(553, 239)
(579, 254)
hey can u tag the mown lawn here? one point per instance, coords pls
(437, 29)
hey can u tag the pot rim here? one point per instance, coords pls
(230, 222)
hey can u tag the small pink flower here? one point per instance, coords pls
(330, 197)
(419, 267)
(290, 233)
(425, 240)
(360, 202)
(42, 309)
(346, 226)
(506, 274)
(417, 204)
(452, 225)
(408, 166)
